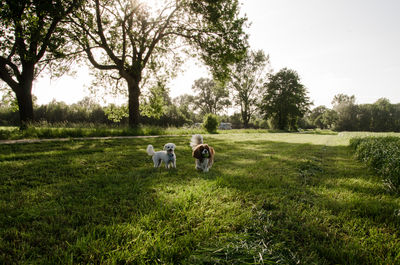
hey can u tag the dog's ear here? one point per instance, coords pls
(197, 152)
(212, 152)
(211, 160)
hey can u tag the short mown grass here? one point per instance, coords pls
(269, 198)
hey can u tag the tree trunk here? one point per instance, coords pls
(283, 121)
(245, 119)
(133, 102)
(24, 96)
(245, 109)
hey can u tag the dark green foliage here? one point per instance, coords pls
(318, 117)
(383, 155)
(381, 116)
(211, 123)
(285, 99)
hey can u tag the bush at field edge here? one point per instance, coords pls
(383, 155)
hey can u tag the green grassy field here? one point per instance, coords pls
(270, 198)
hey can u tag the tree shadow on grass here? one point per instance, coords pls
(56, 194)
(91, 200)
(314, 195)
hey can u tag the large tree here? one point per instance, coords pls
(136, 42)
(285, 100)
(31, 37)
(247, 82)
(212, 97)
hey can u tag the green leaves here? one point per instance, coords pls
(116, 113)
(285, 100)
(248, 77)
(211, 123)
(155, 106)
(218, 34)
(212, 96)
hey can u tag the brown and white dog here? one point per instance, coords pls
(203, 153)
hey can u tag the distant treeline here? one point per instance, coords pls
(381, 116)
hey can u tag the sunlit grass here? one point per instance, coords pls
(270, 197)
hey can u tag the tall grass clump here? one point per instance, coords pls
(383, 155)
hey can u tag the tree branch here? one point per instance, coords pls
(5, 75)
(158, 36)
(46, 40)
(96, 64)
(53, 26)
(12, 52)
(103, 39)
(4, 62)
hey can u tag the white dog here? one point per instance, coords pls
(203, 153)
(168, 155)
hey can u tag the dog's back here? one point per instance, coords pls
(196, 140)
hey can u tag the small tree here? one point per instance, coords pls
(248, 77)
(157, 101)
(329, 118)
(317, 117)
(211, 123)
(346, 110)
(285, 100)
(185, 104)
(212, 96)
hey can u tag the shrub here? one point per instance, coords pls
(5, 134)
(211, 123)
(383, 155)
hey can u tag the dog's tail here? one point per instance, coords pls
(150, 150)
(196, 140)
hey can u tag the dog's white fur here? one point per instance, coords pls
(168, 155)
(203, 153)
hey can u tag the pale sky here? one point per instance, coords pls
(336, 46)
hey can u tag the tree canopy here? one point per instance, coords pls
(285, 100)
(139, 44)
(31, 37)
(212, 97)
